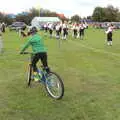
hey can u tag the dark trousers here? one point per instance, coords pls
(45, 29)
(57, 33)
(50, 31)
(109, 36)
(81, 32)
(75, 33)
(39, 56)
(65, 32)
(60, 30)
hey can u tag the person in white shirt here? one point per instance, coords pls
(109, 34)
(50, 27)
(57, 28)
(45, 27)
(3, 27)
(81, 30)
(65, 30)
(75, 30)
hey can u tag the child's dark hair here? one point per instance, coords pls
(33, 30)
(23, 34)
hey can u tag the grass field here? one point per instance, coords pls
(90, 70)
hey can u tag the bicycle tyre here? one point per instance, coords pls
(49, 86)
(29, 74)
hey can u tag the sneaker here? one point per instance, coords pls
(47, 69)
(36, 76)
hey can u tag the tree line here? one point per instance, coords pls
(106, 14)
(100, 14)
(28, 16)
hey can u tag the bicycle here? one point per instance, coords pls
(52, 81)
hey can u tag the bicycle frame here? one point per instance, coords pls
(54, 87)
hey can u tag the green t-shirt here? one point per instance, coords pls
(37, 44)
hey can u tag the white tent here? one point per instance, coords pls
(39, 21)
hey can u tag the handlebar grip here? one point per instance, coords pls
(25, 53)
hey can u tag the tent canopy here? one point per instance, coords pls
(47, 19)
(39, 21)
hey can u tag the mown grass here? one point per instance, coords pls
(89, 69)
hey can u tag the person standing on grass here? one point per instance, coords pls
(39, 50)
(109, 34)
(1, 44)
(57, 28)
(50, 27)
(3, 27)
(65, 30)
(75, 30)
(81, 30)
(45, 27)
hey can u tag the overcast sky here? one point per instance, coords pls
(68, 7)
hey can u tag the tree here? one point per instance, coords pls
(111, 13)
(1, 17)
(118, 17)
(8, 20)
(107, 14)
(47, 13)
(75, 18)
(98, 14)
(34, 12)
(5, 18)
(23, 18)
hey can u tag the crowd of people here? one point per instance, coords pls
(77, 30)
(61, 30)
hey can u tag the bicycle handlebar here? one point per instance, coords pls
(26, 53)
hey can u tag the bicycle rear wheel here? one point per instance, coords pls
(54, 85)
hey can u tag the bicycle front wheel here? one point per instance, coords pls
(54, 85)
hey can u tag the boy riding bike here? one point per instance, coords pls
(39, 51)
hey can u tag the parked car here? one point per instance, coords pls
(17, 26)
(117, 26)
